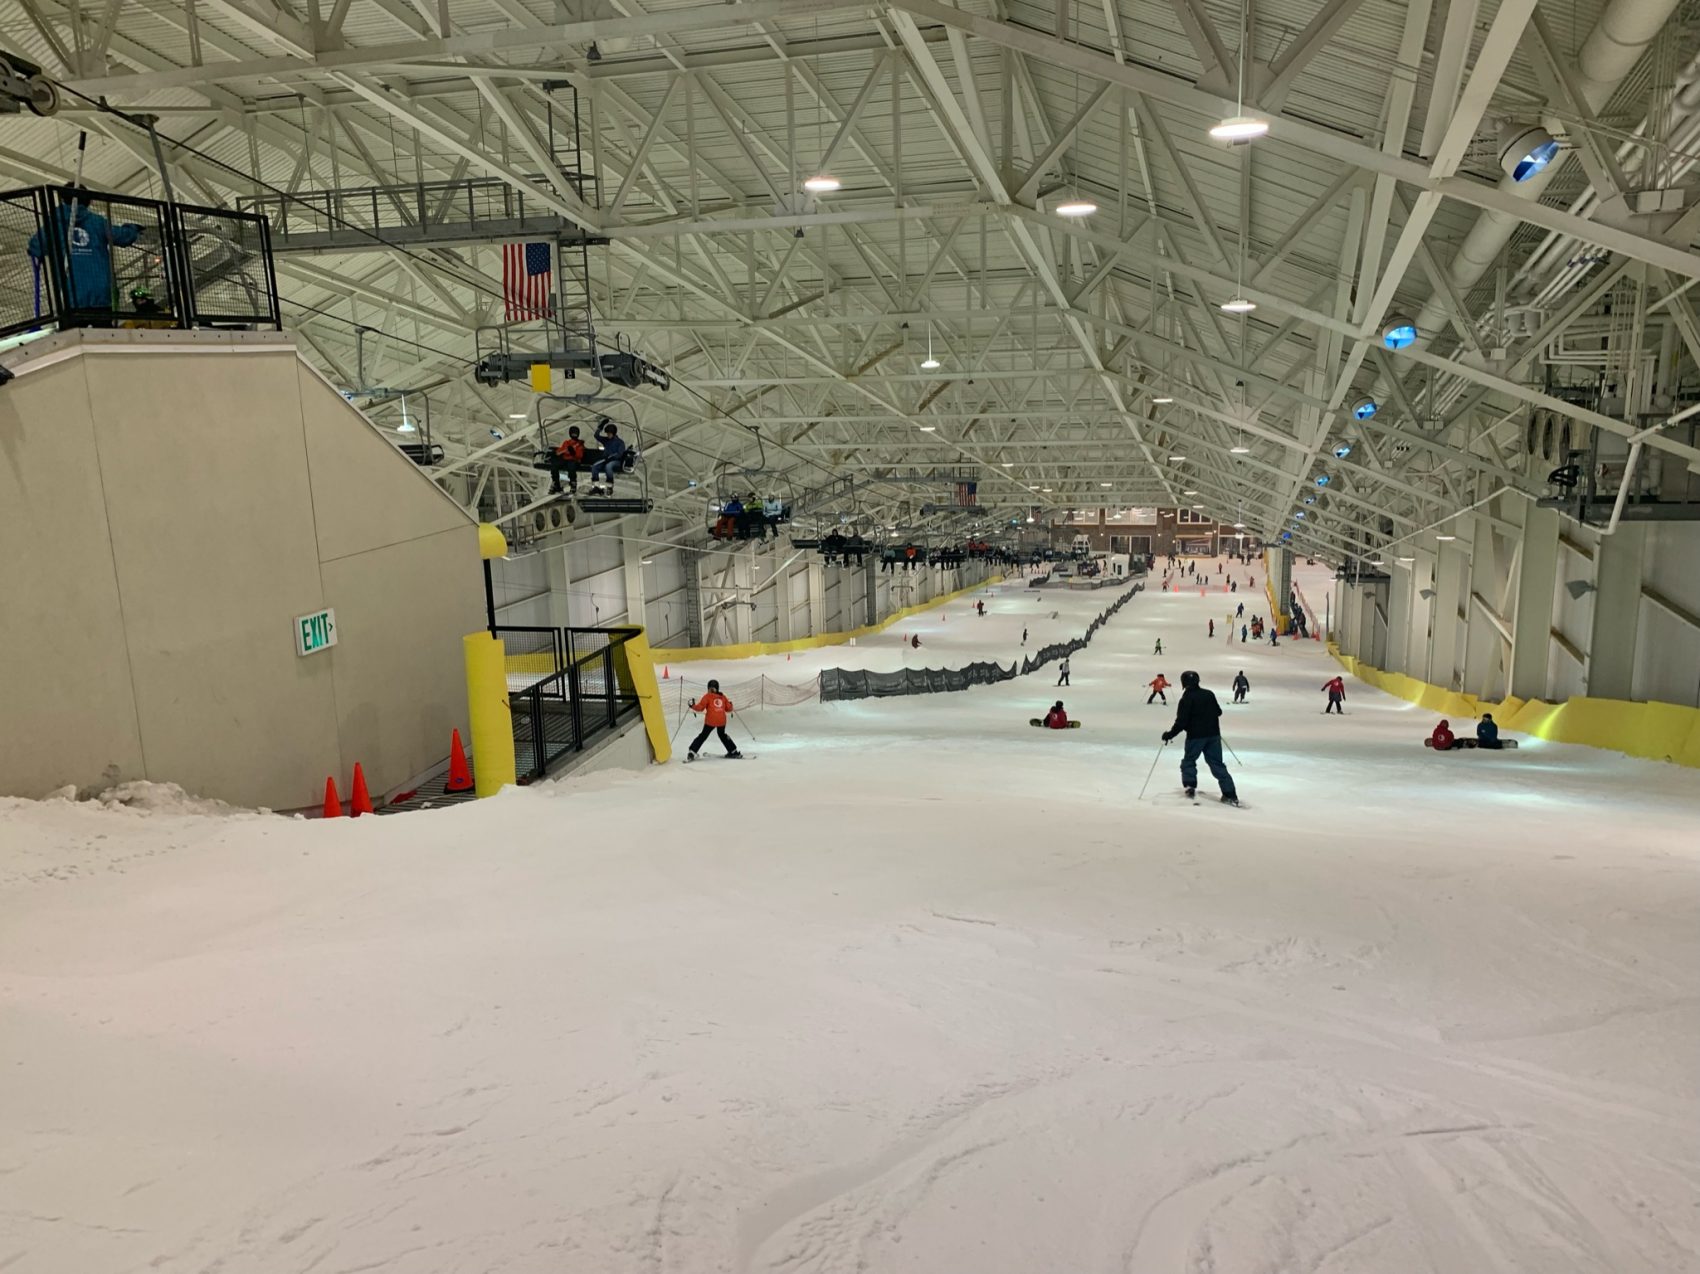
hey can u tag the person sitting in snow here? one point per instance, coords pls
(1442, 740)
(1056, 718)
(1487, 732)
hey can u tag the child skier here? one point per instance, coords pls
(1158, 685)
(716, 709)
(1159, 649)
(1336, 689)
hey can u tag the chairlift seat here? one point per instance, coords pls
(615, 504)
(422, 454)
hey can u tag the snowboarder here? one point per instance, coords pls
(1487, 732)
(1442, 739)
(1159, 649)
(1159, 684)
(1198, 716)
(1336, 688)
(1056, 718)
(716, 709)
(1242, 687)
(1062, 672)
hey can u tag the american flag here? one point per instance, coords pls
(527, 280)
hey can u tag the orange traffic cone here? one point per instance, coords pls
(360, 800)
(666, 673)
(460, 774)
(333, 802)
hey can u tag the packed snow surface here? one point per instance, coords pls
(919, 989)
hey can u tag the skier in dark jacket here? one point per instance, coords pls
(1198, 716)
(1242, 687)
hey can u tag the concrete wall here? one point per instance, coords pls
(1524, 603)
(170, 503)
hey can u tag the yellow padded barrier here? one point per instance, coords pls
(1652, 731)
(634, 668)
(493, 766)
(746, 649)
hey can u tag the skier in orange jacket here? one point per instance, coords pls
(1157, 687)
(716, 709)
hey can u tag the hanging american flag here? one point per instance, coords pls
(527, 280)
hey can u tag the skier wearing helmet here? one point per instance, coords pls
(1198, 716)
(716, 709)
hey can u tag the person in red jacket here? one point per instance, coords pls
(1160, 684)
(1056, 718)
(716, 709)
(1336, 693)
(568, 456)
(1442, 740)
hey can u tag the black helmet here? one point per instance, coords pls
(1189, 679)
(714, 685)
(1057, 704)
(572, 431)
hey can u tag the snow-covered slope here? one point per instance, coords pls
(918, 989)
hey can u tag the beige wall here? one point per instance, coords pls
(205, 490)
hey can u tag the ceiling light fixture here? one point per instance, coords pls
(1075, 208)
(929, 429)
(1240, 127)
(1525, 150)
(1238, 304)
(1106, 484)
(929, 363)
(1364, 408)
(1241, 450)
(1189, 493)
(1009, 464)
(1446, 537)
(1176, 459)
(1399, 333)
(516, 415)
(822, 184)
(1162, 398)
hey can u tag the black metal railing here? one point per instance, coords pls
(71, 257)
(592, 691)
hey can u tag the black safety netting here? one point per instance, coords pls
(852, 683)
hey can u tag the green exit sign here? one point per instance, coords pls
(315, 632)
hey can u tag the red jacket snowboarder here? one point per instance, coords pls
(1336, 692)
(716, 708)
(1056, 718)
(1441, 740)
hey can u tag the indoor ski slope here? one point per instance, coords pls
(919, 989)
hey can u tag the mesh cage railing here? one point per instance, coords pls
(530, 654)
(111, 259)
(227, 259)
(24, 279)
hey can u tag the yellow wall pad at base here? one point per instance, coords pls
(634, 668)
(493, 764)
(1651, 731)
(747, 649)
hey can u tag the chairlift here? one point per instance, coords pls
(556, 414)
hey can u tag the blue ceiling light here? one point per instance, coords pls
(1525, 149)
(1399, 333)
(1322, 479)
(1309, 499)
(1286, 535)
(1365, 407)
(1342, 451)
(1299, 516)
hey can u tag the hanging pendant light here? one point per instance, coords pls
(1240, 127)
(1237, 304)
(1076, 208)
(406, 425)
(929, 363)
(822, 184)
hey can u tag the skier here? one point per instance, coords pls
(1159, 649)
(1336, 689)
(1024, 636)
(1242, 687)
(1062, 672)
(1487, 732)
(613, 457)
(1274, 635)
(915, 641)
(1056, 718)
(1242, 634)
(1198, 716)
(716, 708)
(1240, 611)
(981, 608)
(1159, 684)
(568, 457)
(1212, 628)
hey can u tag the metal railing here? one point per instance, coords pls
(591, 691)
(72, 257)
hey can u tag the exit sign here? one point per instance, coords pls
(315, 632)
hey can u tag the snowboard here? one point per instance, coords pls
(1472, 743)
(1040, 722)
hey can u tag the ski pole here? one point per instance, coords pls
(1231, 751)
(1153, 769)
(681, 724)
(746, 726)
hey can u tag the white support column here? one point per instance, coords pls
(1531, 627)
(637, 593)
(817, 599)
(1420, 637)
(560, 587)
(743, 614)
(1399, 617)
(782, 598)
(1451, 578)
(1617, 612)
